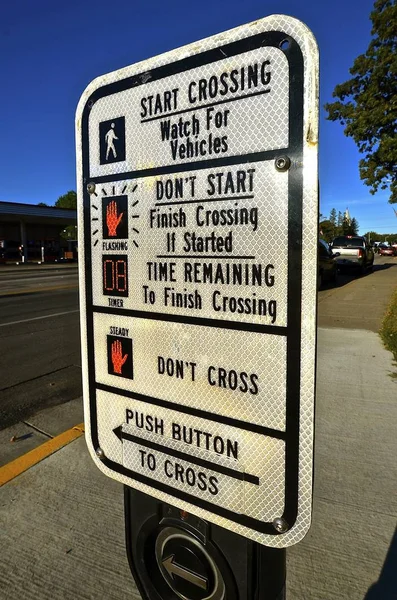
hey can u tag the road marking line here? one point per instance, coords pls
(24, 462)
(68, 312)
(37, 290)
(34, 278)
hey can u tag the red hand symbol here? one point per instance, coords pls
(117, 357)
(112, 219)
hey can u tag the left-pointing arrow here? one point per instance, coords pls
(173, 568)
(118, 431)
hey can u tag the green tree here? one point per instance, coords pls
(380, 237)
(69, 233)
(42, 204)
(373, 236)
(333, 220)
(353, 227)
(339, 224)
(333, 216)
(327, 230)
(68, 200)
(345, 226)
(349, 226)
(366, 104)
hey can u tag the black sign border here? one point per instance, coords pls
(292, 51)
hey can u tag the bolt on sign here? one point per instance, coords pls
(197, 187)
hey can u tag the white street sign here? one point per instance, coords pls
(197, 187)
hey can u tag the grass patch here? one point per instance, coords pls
(388, 330)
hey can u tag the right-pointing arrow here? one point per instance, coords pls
(173, 568)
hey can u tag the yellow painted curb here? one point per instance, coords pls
(23, 463)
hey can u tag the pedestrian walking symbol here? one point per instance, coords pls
(112, 141)
(109, 138)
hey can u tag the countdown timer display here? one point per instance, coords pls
(115, 275)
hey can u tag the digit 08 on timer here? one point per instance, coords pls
(115, 275)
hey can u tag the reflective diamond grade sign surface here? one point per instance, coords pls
(197, 205)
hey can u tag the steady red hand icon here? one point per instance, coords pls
(112, 218)
(117, 357)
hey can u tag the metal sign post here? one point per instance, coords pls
(197, 187)
(173, 554)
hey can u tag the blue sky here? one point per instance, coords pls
(50, 51)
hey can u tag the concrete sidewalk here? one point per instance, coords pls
(62, 523)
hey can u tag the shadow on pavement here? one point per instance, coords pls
(384, 266)
(386, 586)
(346, 276)
(343, 279)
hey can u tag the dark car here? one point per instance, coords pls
(327, 266)
(354, 252)
(387, 251)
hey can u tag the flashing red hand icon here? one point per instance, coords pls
(117, 357)
(112, 218)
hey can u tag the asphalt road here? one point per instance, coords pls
(35, 278)
(359, 302)
(39, 340)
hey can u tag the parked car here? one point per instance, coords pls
(387, 250)
(327, 267)
(354, 253)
